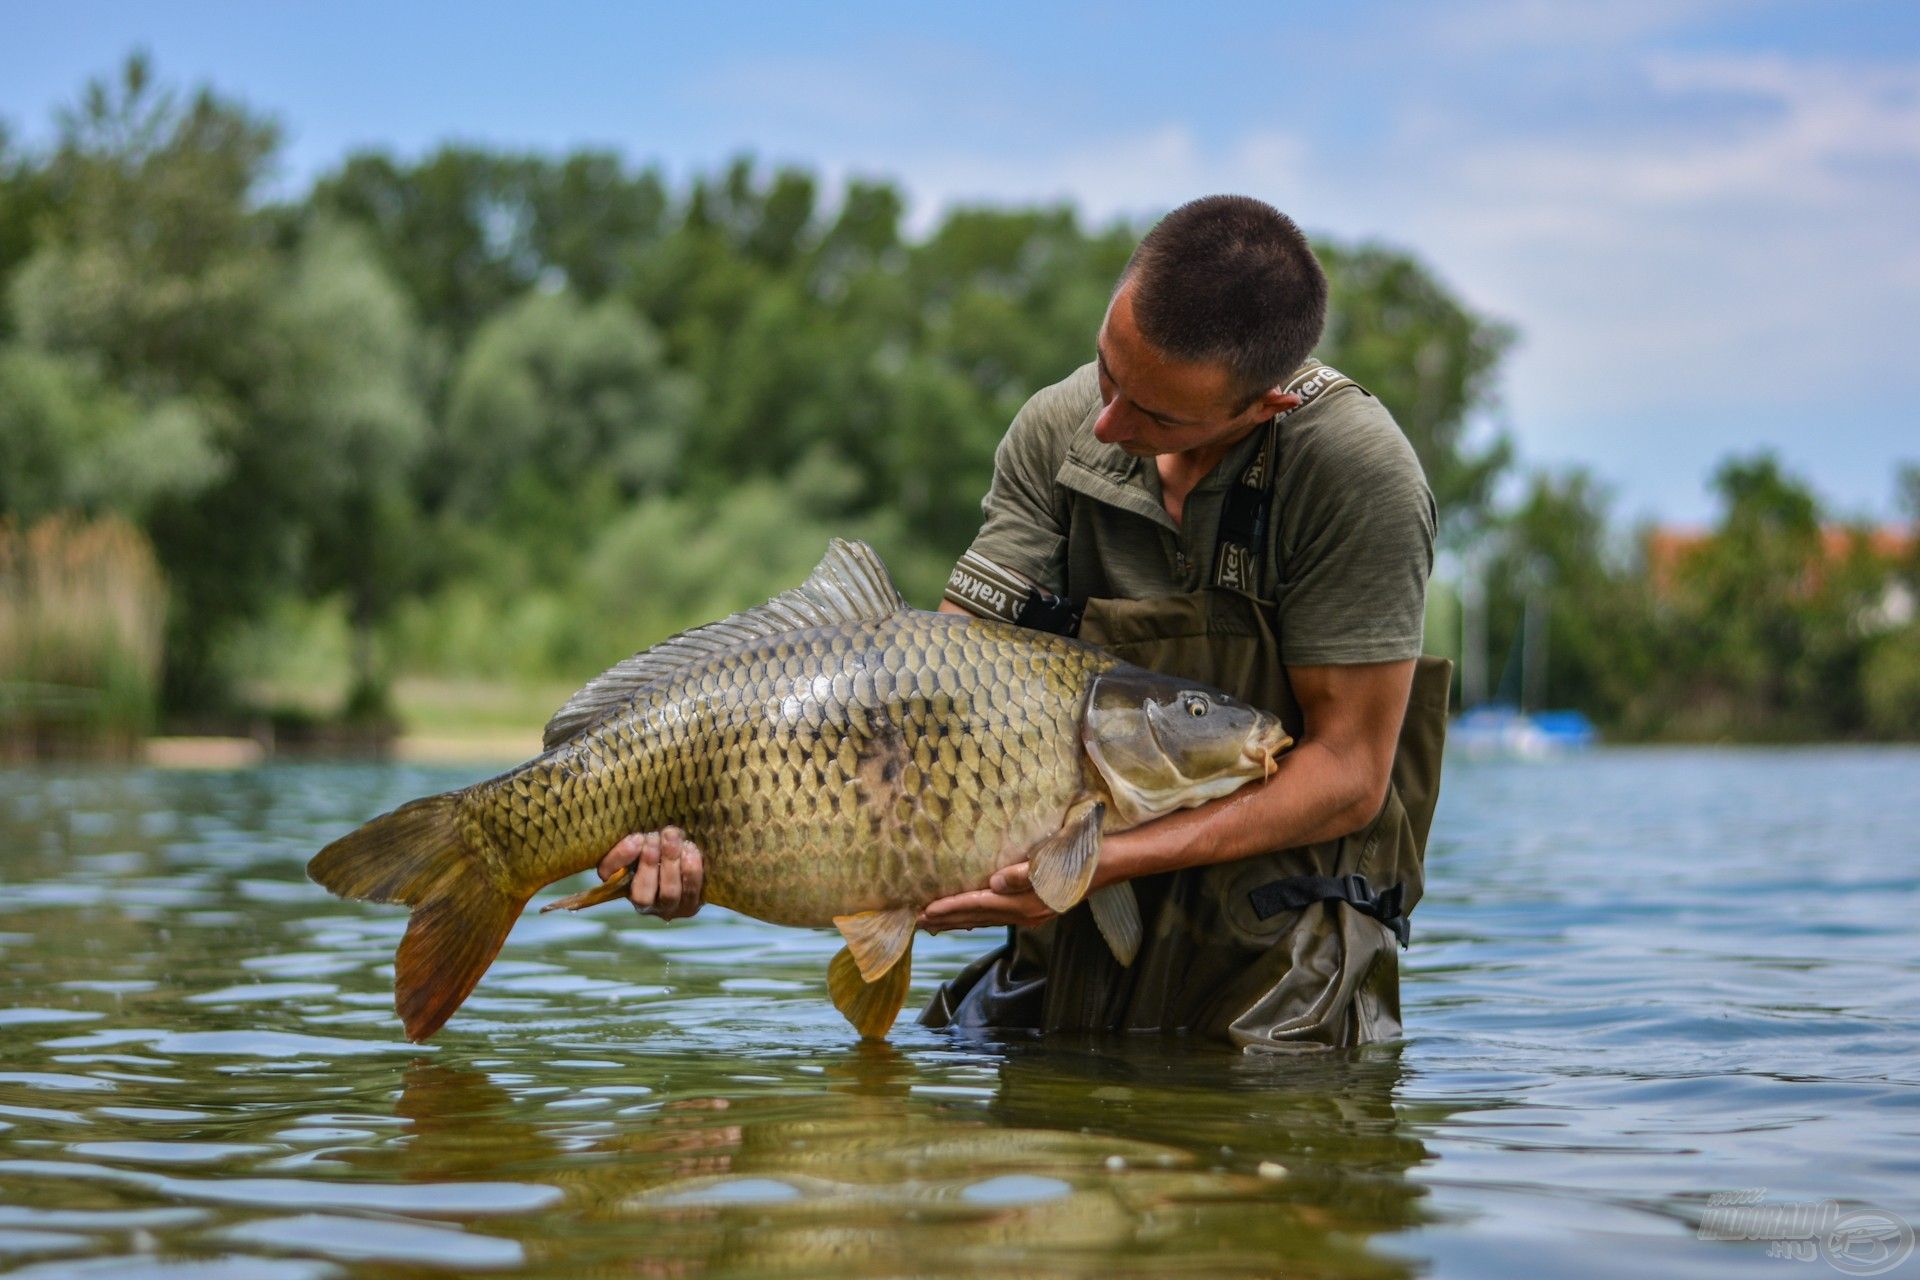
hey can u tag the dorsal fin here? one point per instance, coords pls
(850, 584)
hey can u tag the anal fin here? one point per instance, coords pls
(1117, 913)
(614, 886)
(1061, 866)
(870, 1006)
(877, 938)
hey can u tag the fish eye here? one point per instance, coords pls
(1196, 706)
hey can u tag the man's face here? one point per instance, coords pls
(1156, 404)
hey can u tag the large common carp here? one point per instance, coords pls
(839, 758)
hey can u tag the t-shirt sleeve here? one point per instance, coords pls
(1356, 541)
(1024, 514)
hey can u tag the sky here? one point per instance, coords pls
(1702, 217)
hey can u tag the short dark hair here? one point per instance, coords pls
(1232, 280)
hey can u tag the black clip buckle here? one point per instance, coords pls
(1383, 906)
(1044, 611)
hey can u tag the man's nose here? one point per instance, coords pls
(1114, 425)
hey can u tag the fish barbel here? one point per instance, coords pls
(840, 759)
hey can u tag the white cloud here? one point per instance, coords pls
(1816, 125)
(1498, 25)
(1119, 175)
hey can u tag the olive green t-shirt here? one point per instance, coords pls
(1350, 534)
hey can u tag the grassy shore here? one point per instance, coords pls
(442, 721)
(462, 721)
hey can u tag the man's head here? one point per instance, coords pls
(1222, 300)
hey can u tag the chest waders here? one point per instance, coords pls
(1296, 946)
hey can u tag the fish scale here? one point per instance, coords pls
(811, 796)
(838, 758)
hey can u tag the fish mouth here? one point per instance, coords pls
(1262, 752)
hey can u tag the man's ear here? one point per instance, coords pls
(1273, 400)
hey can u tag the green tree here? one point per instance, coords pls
(1890, 676)
(560, 412)
(71, 441)
(244, 385)
(1394, 327)
(1559, 546)
(1890, 684)
(154, 278)
(491, 378)
(466, 231)
(456, 229)
(864, 238)
(157, 263)
(591, 217)
(26, 206)
(345, 410)
(1765, 623)
(1014, 297)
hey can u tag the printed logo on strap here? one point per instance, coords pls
(982, 587)
(1243, 518)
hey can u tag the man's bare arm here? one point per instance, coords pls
(1331, 784)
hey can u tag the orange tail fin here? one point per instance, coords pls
(418, 855)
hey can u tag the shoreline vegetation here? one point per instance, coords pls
(83, 607)
(392, 465)
(82, 612)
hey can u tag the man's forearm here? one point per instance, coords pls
(1313, 795)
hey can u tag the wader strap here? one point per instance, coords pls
(1243, 519)
(1044, 611)
(1236, 564)
(1249, 503)
(1296, 892)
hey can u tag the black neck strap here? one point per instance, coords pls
(1249, 503)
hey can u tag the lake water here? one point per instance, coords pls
(1653, 995)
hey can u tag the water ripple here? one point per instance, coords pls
(1638, 979)
(355, 1239)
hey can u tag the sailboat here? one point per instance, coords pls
(1510, 724)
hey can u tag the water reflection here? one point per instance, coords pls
(868, 1170)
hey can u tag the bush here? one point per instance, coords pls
(1890, 684)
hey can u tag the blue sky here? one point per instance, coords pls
(1703, 217)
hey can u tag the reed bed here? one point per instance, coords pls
(82, 624)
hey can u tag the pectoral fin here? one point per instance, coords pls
(870, 1006)
(877, 939)
(1117, 912)
(1061, 866)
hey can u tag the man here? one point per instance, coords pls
(1205, 499)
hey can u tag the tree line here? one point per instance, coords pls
(515, 415)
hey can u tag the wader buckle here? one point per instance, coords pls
(1044, 611)
(1295, 892)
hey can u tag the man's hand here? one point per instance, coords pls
(668, 873)
(1008, 899)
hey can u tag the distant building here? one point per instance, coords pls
(1669, 547)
